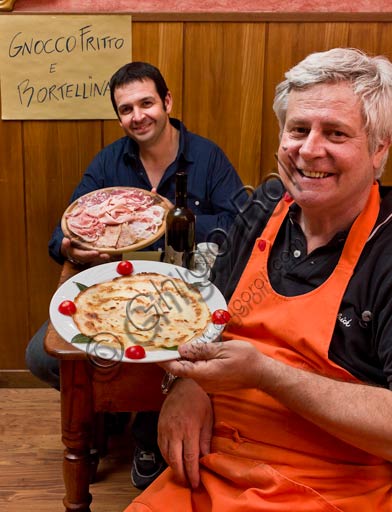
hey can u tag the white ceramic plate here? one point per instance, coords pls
(67, 329)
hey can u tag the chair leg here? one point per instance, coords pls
(77, 418)
(99, 447)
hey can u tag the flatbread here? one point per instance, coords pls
(116, 219)
(149, 309)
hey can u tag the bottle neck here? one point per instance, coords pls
(181, 190)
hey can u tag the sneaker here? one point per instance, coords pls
(146, 466)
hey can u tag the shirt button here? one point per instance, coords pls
(297, 253)
(197, 203)
(366, 316)
(262, 245)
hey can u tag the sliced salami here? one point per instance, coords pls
(116, 219)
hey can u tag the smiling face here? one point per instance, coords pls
(142, 115)
(324, 146)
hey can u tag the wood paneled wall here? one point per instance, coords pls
(222, 76)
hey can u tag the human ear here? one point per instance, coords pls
(168, 102)
(380, 152)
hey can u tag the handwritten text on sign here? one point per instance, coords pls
(64, 72)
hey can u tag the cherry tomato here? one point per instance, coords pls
(125, 268)
(67, 307)
(135, 352)
(220, 316)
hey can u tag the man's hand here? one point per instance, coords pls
(219, 366)
(79, 256)
(169, 203)
(356, 413)
(185, 430)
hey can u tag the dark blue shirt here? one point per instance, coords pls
(215, 192)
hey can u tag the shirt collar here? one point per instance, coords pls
(338, 239)
(131, 149)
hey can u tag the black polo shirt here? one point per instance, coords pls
(362, 338)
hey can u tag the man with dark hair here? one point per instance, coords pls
(137, 71)
(154, 148)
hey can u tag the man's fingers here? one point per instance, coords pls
(76, 244)
(175, 460)
(199, 350)
(71, 250)
(205, 437)
(191, 462)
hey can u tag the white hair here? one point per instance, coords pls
(370, 78)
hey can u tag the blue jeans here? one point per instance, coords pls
(41, 364)
(46, 368)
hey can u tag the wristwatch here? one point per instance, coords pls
(167, 382)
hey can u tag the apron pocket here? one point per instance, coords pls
(235, 484)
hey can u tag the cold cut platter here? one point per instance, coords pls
(116, 219)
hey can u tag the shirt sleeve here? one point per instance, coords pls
(225, 197)
(92, 179)
(380, 324)
(385, 345)
(362, 338)
(250, 222)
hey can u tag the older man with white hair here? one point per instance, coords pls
(292, 410)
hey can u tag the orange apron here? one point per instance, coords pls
(264, 457)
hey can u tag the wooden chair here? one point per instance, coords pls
(87, 389)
